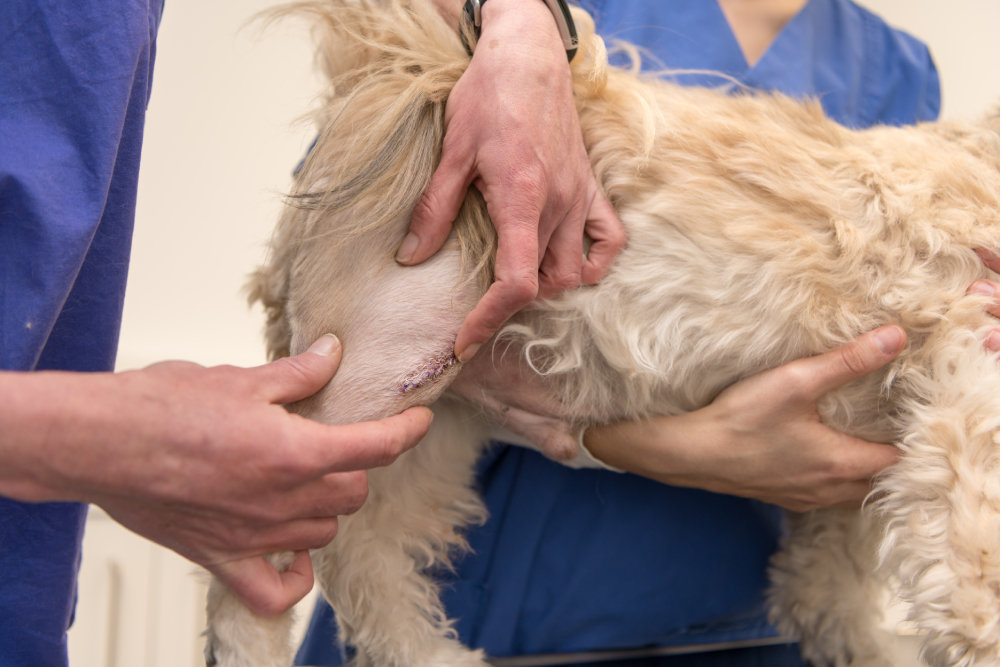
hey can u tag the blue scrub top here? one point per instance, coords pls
(574, 560)
(75, 77)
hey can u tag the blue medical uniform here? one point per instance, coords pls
(75, 77)
(581, 560)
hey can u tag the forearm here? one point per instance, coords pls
(44, 418)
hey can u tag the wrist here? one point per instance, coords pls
(523, 15)
(658, 448)
(30, 404)
(547, 22)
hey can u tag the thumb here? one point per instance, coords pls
(858, 358)
(262, 588)
(437, 208)
(294, 378)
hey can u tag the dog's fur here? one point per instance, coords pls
(759, 232)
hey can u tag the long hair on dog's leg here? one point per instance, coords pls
(237, 636)
(822, 591)
(378, 573)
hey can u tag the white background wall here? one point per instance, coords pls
(219, 147)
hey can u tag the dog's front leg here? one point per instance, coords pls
(377, 573)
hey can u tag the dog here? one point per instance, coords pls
(759, 232)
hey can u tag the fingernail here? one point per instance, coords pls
(407, 248)
(983, 287)
(889, 339)
(325, 346)
(469, 352)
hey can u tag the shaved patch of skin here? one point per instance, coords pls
(430, 370)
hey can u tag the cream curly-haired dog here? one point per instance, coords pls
(759, 232)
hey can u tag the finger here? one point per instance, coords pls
(502, 300)
(860, 460)
(563, 260)
(438, 205)
(987, 288)
(367, 444)
(992, 341)
(604, 227)
(331, 495)
(516, 285)
(313, 526)
(990, 259)
(852, 361)
(262, 588)
(294, 378)
(849, 495)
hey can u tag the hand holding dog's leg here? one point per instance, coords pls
(512, 130)
(762, 437)
(204, 461)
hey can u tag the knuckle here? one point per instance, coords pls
(237, 538)
(425, 218)
(272, 513)
(617, 238)
(854, 359)
(354, 492)
(298, 368)
(390, 444)
(567, 279)
(523, 289)
(269, 607)
(567, 201)
(528, 194)
(325, 532)
(797, 380)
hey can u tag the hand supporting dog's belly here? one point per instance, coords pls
(761, 438)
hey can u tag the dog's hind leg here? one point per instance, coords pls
(823, 593)
(942, 505)
(377, 573)
(237, 637)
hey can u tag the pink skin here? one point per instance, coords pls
(990, 288)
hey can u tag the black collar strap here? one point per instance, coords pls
(559, 9)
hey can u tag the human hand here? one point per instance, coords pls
(512, 131)
(762, 437)
(207, 462)
(990, 288)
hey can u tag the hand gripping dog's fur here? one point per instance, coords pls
(759, 232)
